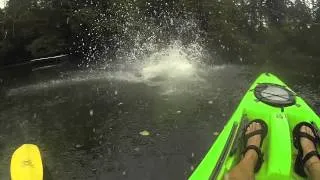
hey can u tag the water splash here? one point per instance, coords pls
(175, 69)
(163, 49)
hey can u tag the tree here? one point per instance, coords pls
(276, 12)
(47, 46)
(235, 30)
(17, 10)
(2, 25)
(317, 11)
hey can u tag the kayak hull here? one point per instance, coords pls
(278, 149)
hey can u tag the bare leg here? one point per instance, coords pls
(312, 166)
(245, 169)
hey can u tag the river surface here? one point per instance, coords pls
(88, 124)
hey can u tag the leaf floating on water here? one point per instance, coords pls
(94, 170)
(216, 133)
(78, 145)
(144, 133)
(192, 168)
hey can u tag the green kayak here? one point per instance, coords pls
(272, 101)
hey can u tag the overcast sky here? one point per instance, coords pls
(2, 3)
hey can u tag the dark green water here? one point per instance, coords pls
(87, 124)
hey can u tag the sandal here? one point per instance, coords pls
(297, 135)
(262, 132)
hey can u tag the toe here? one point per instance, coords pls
(310, 132)
(258, 126)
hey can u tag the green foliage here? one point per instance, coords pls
(6, 48)
(46, 46)
(236, 30)
(1, 14)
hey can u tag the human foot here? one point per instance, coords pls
(305, 140)
(308, 146)
(254, 140)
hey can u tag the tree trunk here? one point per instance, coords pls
(13, 29)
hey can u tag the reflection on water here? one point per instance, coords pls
(88, 123)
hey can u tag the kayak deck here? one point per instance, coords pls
(278, 149)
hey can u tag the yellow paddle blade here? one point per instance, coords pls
(26, 163)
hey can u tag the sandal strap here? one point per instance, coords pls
(308, 136)
(253, 147)
(262, 132)
(310, 155)
(254, 133)
(257, 132)
(260, 155)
